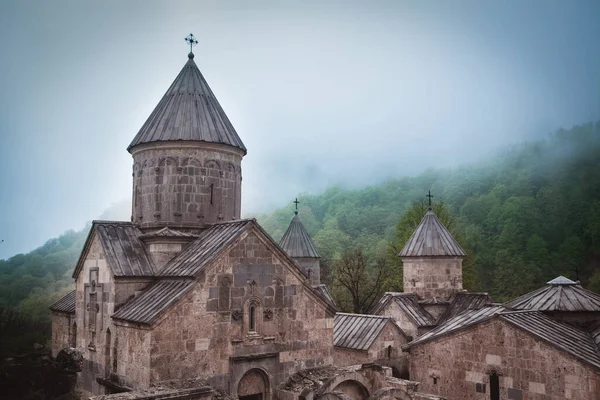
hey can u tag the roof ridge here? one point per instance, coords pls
(110, 222)
(363, 315)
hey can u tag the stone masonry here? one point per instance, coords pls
(185, 184)
(460, 364)
(432, 277)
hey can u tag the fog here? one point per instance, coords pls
(321, 92)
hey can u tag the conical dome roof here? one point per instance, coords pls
(431, 238)
(560, 294)
(189, 111)
(296, 242)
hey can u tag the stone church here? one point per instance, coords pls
(189, 301)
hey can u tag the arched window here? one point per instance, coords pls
(252, 321)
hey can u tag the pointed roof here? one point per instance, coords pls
(297, 242)
(558, 295)
(431, 238)
(189, 111)
(125, 253)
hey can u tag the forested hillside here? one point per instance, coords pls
(527, 215)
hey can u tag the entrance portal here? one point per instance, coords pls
(254, 385)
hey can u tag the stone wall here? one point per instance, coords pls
(404, 321)
(186, 184)
(311, 268)
(430, 278)
(94, 286)
(386, 350)
(208, 333)
(131, 356)
(63, 331)
(459, 365)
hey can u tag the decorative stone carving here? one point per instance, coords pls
(237, 315)
(268, 314)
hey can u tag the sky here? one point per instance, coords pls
(322, 93)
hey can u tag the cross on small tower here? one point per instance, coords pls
(430, 197)
(296, 202)
(191, 40)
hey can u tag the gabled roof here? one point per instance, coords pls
(297, 242)
(462, 301)
(409, 303)
(65, 304)
(148, 306)
(575, 341)
(126, 255)
(358, 331)
(461, 321)
(431, 238)
(191, 261)
(560, 294)
(188, 111)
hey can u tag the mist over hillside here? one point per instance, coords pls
(528, 214)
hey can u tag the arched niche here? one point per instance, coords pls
(354, 389)
(254, 385)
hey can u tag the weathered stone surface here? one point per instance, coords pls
(430, 277)
(527, 367)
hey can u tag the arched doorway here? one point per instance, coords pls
(353, 389)
(254, 385)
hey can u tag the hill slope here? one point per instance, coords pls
(529, 214)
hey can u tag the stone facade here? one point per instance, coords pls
(311, 268)
(185, 184)
(208, 333)
(386, 350)
(461, 366)
(64, 332)
(404, 321)
(432, 277)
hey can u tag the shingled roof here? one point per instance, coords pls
(409, 303)
(431, 238)
(65, 304)
(559, 294)
(125, 253)
(191, 261)
(358, 331)
(462, 301)
(148, 306)
(188, 111)
(296, 242)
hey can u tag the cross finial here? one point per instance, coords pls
(191, 40)
(430, 197)
(296, 202)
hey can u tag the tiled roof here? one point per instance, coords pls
(357, 331)
(125, 253)
(409, 303)
(147, 307)
(191, 261)
(188, 111)
(462, 301)
(559, 296)
(431, 238)
(65, 304)
(297, 242)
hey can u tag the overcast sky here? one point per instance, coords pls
(321, 92)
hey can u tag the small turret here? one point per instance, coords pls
(432, 261)
(296, 242)
(187, 159)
